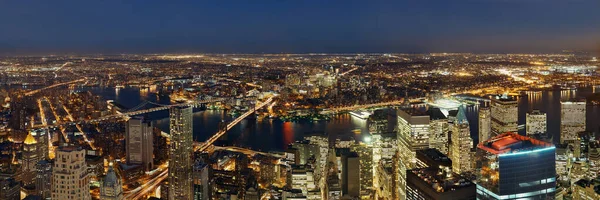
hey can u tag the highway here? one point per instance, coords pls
(150, 184)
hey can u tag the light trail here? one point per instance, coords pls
(346, 72)
(79, 128)
(42, 114)
(58, 119)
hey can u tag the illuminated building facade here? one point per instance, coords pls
(180, 153)
(504, 115)
(516, 167)
(413, 135)
(438, 128)
(535, 122)
(461, 144)
(69, 174)
(111, 187)
(572, 120)
(139, 143)
(485, 123)
(30, 159)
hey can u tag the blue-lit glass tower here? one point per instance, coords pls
(515, 167)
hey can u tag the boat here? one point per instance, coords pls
(361, 114)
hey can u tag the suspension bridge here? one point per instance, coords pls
(131, 112)
(203, 146)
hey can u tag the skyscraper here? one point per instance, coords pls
(41, 137)
(111, 187)
(139, 143)
(504, 115)
(535, 122)
(351, 174)
(180, 154)
(515, 167)
(43, 179)
(413, 135)
(438, 128)
(485, 123)
(69, 174)
(460, 147)
(30, 159)
(572, 120)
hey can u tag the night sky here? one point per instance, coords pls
(299, 26)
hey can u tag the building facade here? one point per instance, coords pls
(460, 147)
(516, 167)
(139, 143)
(30, 159)
(504, 115)
(69, 174)
(43, 179)
(412, 135)
(535, 123)
(485, 123)
(572, 120)
(111, 187)
(180, 154)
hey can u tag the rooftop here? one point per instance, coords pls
(511, 143)
(440, 180)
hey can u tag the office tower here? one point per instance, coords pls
(30, 159)
(180, 153)
(535, 122)
(504, 115)
(43, 179)
(434, 183)
(572, 120)
(111, 187)
(461, 144)
(485, 123)
(69, 174)
(139, 143)
(202, 172)
(365, 153)
(515, 167)
(42, 138)
(413, 135)
(438, 123)
(10, 189)
(351, 174)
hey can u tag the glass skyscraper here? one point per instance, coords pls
(515, 167)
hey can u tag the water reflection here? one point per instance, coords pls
(275, 135)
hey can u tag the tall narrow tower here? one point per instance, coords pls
(180, 154)
(460, 147)
(30, 158)
(139, 143)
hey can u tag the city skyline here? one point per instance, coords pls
(300, 100)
